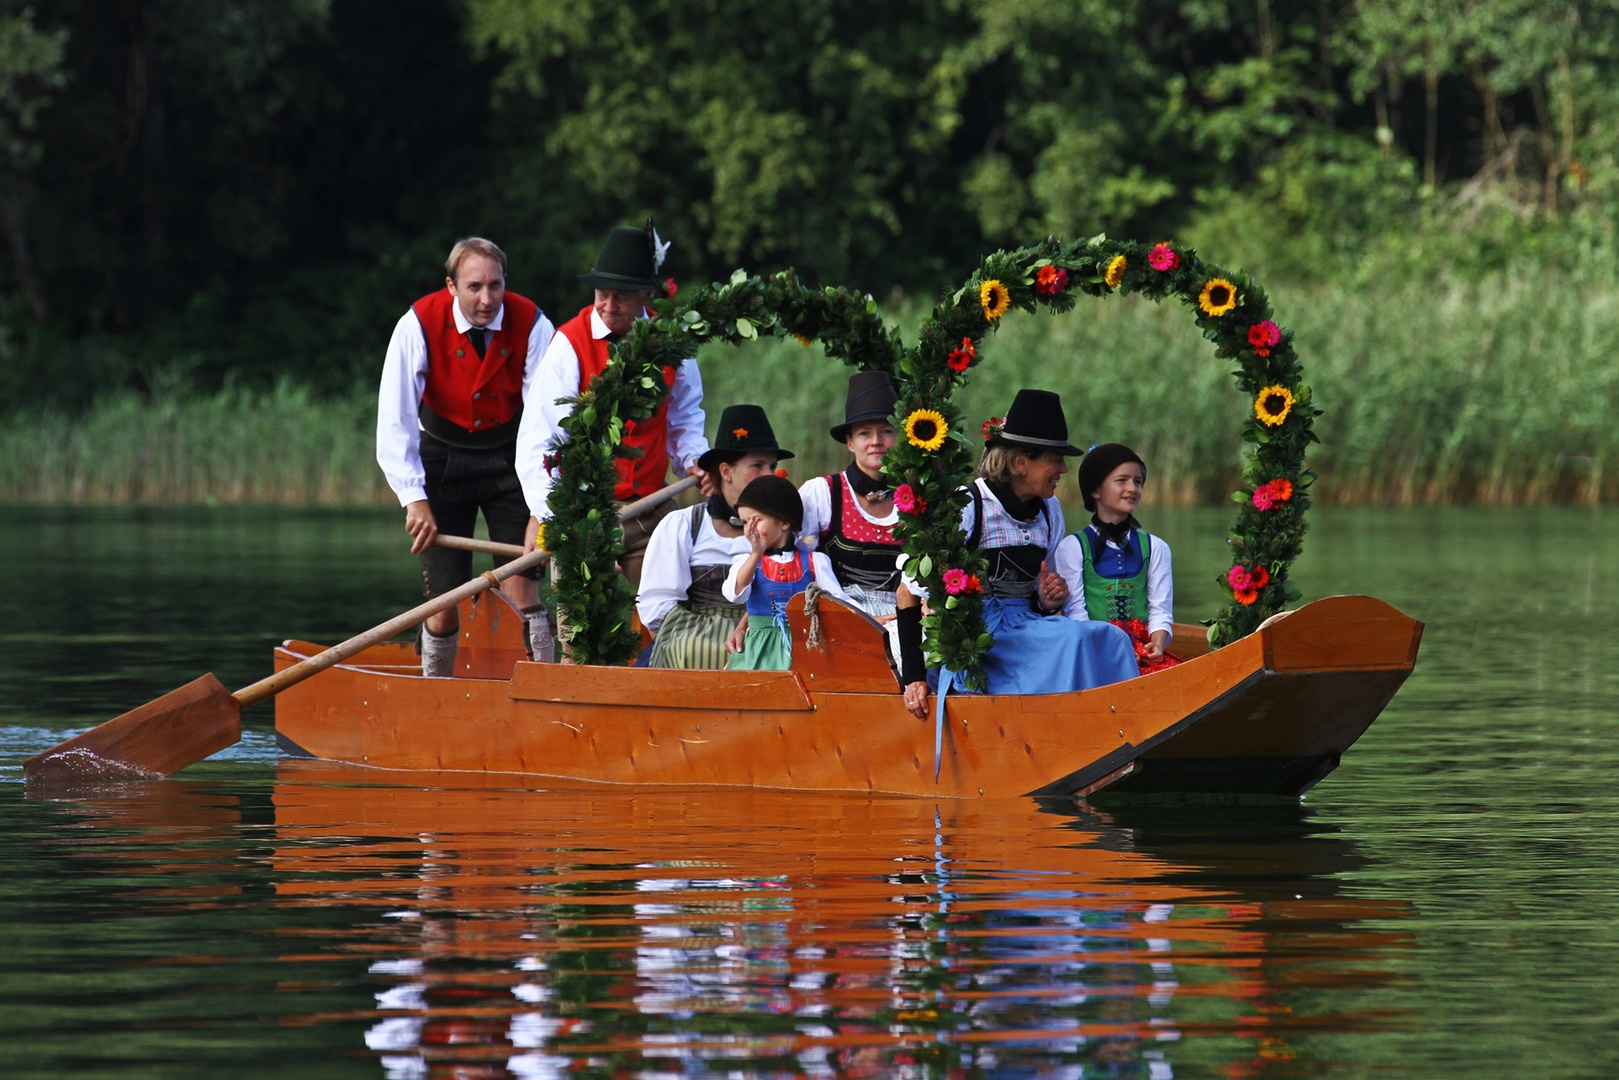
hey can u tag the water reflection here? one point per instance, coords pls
(519, 933)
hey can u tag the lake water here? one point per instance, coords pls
(1445, 904)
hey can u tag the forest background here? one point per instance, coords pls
(214, 212)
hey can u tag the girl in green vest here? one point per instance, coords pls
(1116, 571)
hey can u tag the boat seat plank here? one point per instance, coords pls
(660, 688)
(853, 657)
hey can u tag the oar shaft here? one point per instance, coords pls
(359, 643)
(399, 623)
(512, 551)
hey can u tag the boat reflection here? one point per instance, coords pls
(682, 932)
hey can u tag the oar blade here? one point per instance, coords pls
(161, 737)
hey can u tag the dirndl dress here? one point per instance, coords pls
(694, 632)
(768, 645)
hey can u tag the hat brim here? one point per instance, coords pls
(615, 281)
(841, 432)
(1065, 449)
(711, 458)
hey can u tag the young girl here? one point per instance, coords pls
(1115, 570)
(778, 568)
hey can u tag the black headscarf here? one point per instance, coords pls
(1099, 464)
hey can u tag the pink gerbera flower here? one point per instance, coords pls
(955, 582)
(1163, 258)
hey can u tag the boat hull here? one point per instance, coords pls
(1269, 714)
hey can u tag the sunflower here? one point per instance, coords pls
(1218, 297)
(1115, 271)
(926, 430)
(539, 538)
(994, 298)
(1273, 404)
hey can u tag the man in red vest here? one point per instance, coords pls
(458, 368)
(624, 278)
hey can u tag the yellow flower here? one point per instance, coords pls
(1115, 271)
(1218, 297)
(1273, 404)
(539, 538)
(802, 340)
(994, 298)
(926, 430)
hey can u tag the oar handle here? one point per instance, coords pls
(512, 551)
(443, 602)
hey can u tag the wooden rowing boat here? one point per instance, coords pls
(1272, 713)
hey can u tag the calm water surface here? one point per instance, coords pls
(1446, 903)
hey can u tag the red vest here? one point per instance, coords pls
(472, 392)
(636, 476)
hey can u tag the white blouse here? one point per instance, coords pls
(669, 558)
(817, 496)
(1069, 562)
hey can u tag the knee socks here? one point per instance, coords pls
(438, 654)
(541, 641)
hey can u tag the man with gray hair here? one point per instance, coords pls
(453, 383)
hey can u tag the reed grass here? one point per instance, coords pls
(1502, 391)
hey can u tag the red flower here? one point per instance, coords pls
(549, 463)
(669, 286)
(973, 584)
(1163, 258)
(782, 473)
(1247, 597)
(992, 427)
(1050, 280)
(960, 359)
(906, 502)
(1281, 489)
(1246, 581)
(1261, 577)
(1264, 336)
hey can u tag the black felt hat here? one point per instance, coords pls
(1099, 464)
(743, 429)
(776, 496)
(628, 260)
(871, 397)
(1036, 422)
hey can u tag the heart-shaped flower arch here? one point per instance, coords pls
(934, 458)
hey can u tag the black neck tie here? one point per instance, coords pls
(479, 336)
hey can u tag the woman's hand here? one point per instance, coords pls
(736, 642)
(1053, 591)
(916, 699)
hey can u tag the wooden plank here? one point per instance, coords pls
(493, 638)
(852, 656)
(1342, 633)
(1189, 641)
(660, 688)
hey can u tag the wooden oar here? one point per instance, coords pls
(202, 717)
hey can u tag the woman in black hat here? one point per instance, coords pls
(1014, 518)
(850, 516)
(691, 552)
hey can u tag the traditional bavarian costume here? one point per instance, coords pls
(681, 598)
(1116, 571)
(580, 351)
(1034, 652)
(779, 576)
(862, 546)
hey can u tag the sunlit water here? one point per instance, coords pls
(1444, 904)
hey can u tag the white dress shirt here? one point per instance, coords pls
(404, 381)
(1069, 562)
(670, 555)
(998, 522)
(557, 378)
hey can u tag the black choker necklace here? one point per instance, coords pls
(1116, 532)
(720, 510)
(867, 488)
